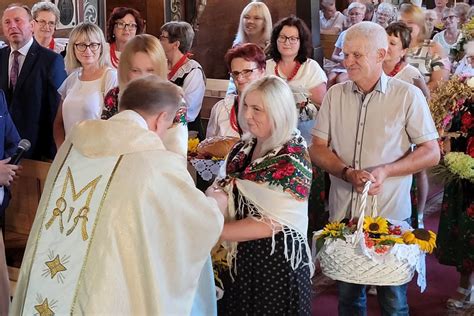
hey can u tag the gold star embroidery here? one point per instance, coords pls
(43, 309)
(55, 266)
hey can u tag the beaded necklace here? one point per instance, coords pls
(113, 57)
(293, 73)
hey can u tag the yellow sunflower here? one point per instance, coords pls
(192, 145)
(377, 225)
(425, 239)
(333, 230)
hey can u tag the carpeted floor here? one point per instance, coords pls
(442, 282)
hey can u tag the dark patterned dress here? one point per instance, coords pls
(455, 241)
(264, 283)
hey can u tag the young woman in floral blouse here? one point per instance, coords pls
(143, 55)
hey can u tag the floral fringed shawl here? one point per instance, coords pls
(273, 189)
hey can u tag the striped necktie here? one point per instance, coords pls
(14, 70)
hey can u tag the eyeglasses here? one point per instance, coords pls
(161, 37)
(470, 58)
(355, 14)
(82, 46)
(451, 17)
(245, 73)
(123, 25)
(384, 15)
(43, 23)
(292, 39)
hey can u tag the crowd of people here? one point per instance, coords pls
(113, 112)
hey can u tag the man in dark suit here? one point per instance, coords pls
(30, 75)
(9, 139)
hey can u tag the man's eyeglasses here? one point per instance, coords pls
(245, 73)
(123, 25)
(43, 23)
(292, 39)
(82, 46)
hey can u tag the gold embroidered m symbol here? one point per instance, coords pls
(61, 205)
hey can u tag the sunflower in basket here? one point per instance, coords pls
(425, 239)
(375, 226)
(334, 230)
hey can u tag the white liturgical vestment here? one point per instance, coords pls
(120, 228)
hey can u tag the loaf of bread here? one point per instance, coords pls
(217, 146)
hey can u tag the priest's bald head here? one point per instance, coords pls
(155, 99)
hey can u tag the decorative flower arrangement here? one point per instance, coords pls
(467, 34)
(380, 235)
(452, 108)
(454, 167)
(449, 98)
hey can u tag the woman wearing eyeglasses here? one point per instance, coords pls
(82, 93)
(123, 24)
(451, 34)
(246, 63)
(45, 18)
(290, 48)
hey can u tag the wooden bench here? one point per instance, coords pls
(20, 214)
(327, 43)
(215, 90)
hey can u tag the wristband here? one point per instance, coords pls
(344, 173)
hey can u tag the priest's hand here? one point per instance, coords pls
(7, 172)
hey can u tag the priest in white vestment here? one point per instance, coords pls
(121, 228)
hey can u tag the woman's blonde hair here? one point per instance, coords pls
(262, 10)
(88, 32)
(416, 14)
(149, 45)
(280, 106)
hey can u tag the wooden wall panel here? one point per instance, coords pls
(214, 38)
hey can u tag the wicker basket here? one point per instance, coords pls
(349, 261)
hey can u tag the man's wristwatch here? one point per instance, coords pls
(344, 172)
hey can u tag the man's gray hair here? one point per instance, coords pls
(373, 33)
(356, 5)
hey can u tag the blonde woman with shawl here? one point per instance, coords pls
(268, 177)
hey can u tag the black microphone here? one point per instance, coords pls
(23, 146)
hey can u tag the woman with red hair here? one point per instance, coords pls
(246, 63)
